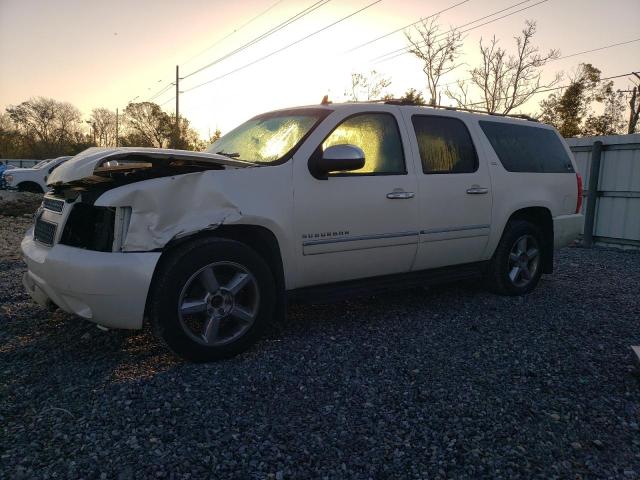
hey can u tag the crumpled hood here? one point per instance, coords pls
(84, 164)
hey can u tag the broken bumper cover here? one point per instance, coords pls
(109, 289)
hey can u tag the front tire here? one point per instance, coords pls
(516, 266)
(212, 299)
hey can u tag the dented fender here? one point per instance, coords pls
(167, 208)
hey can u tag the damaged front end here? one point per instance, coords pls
(110, 210)
(100, 232)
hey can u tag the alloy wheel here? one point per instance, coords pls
(219, 303)
(524, 260)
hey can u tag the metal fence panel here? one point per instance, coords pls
(20, 163)
(617, 214)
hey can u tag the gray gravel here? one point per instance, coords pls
(15, 204)
(452, 382)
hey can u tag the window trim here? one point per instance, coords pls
(318, 150)
(473, 145)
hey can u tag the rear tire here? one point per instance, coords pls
(516, 265)
(211, 299)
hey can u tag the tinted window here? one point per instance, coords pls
(444, 144)
(521, 148)
(378, 136)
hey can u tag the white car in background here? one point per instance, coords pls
(312, 202)
(32, 179)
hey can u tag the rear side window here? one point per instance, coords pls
(444, 144)
(527, 149)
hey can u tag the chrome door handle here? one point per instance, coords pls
(477, 190)
(400, 195)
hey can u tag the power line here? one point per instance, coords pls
(236, 30)
(303, 13)
(601, 48)
(564, 56)
(160, 92)
(170, 100)
(167, 87)
(404, 50)
(559, 88)
(406, 26)
(285, 47)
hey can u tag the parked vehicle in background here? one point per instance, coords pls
(3, 168)
(33, 179)
(309, 202)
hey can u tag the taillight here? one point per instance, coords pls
(579, 202)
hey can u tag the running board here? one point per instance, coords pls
(334, 292)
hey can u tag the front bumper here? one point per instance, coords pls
(566, 229)
(109, 289)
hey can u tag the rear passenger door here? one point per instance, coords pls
(454, 190)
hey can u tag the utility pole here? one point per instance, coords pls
(117, 128)
(177, 134)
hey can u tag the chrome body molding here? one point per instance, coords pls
(357, 238)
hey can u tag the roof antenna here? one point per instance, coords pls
(325, 100)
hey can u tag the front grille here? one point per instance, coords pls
(44, 232)
(53, 204)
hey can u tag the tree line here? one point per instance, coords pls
(505, 80)
(43, 128)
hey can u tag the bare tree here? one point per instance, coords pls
(369, 87)
(505, 82)
(437, 50)
(103, 122)
(634, 107)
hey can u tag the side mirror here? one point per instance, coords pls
(338, 158)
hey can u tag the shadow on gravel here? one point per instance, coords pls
(445, 382)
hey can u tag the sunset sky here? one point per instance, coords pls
(96, 53)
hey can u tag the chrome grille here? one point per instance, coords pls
(53, 204)
(44, 232)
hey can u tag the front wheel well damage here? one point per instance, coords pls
(259, 238)
(541, 217)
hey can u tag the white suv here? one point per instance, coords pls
(309, 203)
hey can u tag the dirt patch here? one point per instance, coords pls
(17, 204)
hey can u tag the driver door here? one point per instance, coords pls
(361, 223)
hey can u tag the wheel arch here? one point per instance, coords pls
(257, 237)
(540, 216)
(29, 186)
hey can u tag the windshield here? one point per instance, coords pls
(42, 163)
(270, 137)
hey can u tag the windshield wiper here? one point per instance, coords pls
(236, 156)
(230, 155)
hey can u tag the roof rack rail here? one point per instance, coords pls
(395, 101)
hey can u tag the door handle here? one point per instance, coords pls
(400, 195)
(475, 190)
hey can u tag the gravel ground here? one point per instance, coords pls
(450, 382)
(15, 204)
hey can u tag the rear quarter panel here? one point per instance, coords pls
(513, 191)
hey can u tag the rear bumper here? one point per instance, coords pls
(566, 229)
(109, 289)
